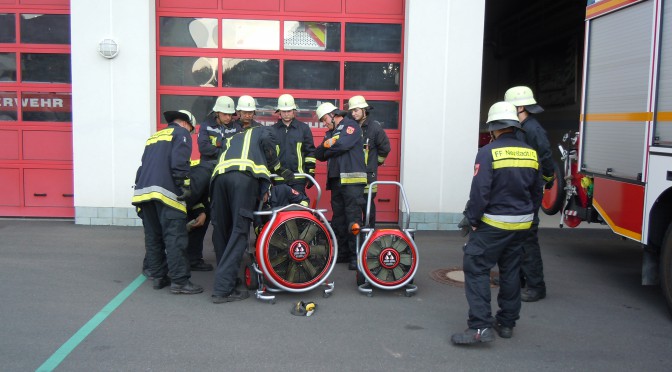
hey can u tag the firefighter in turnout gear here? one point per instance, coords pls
(240, 180)
(246, 108)
(376, 148)
(346, 177)
(503, 198)
(295, 143)
(218, 126)
(161, 185)
(532, 268)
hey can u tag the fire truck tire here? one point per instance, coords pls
(666, 267)
(555, 196)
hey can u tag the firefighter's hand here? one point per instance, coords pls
(186, 193)
(549, 182)
(330, 142)
(287, 174)
(465, 226)
(218, 144)
(309, 184)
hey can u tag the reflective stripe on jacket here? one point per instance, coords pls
(251, 151)
(296, 149)
(345, 157)
(164, 168)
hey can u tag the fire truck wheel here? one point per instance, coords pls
(666, 267)
(555, 196)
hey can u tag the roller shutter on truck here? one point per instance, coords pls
(618, 76)
(663, 135)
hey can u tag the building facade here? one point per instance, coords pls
(79, 101)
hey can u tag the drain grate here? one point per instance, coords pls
(455, 276)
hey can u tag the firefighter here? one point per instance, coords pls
(239, 181)
(295, 140)
(161, 185)
(246, 109)
(346, 177)
(198, 213)
(376, 148)
(218, 126)
(500, 211)
(532, 268)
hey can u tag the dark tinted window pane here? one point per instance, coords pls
(313, 36)
(188, 32)
(385, 112)
(47, 106)
(321, 75)
(251, 73)
(306, 110)
(189, 71)
(372, 38)
(45, 68)
(199, 106)
(8, 105)
(45, 28)
(378, 76)
(7, 67)
(7, 28)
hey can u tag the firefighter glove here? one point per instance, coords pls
(186, 193)
(549, 181)
(330, 142)
(465, 226)
(287, 174)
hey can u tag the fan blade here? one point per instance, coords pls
(279, 242)
(372, 263)
(292, 230)
(375, 248)
(278, 260)
(309, 232)
(398, 273)
(310, 269)
(318, 250)
(382, 274)
(399, 245)
(292, 271)
(386, 241)
(406, 259)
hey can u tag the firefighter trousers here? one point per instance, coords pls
(532, 267)
(234, 197)
(489, 246)
(346, 204)
(165, 241)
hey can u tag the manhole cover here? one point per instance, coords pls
(455, 276)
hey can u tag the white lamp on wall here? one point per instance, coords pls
(108, 48)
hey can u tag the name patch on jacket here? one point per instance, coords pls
(514, 157)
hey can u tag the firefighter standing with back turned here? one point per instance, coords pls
(239, 181)
(502, 200)
(532, 267)
(161, 185)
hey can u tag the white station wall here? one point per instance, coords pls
(114, 105)
(442, 90)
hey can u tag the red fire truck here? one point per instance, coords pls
(618, 167)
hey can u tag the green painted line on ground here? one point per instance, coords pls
(56, 358)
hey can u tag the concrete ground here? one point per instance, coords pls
(61, 283)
